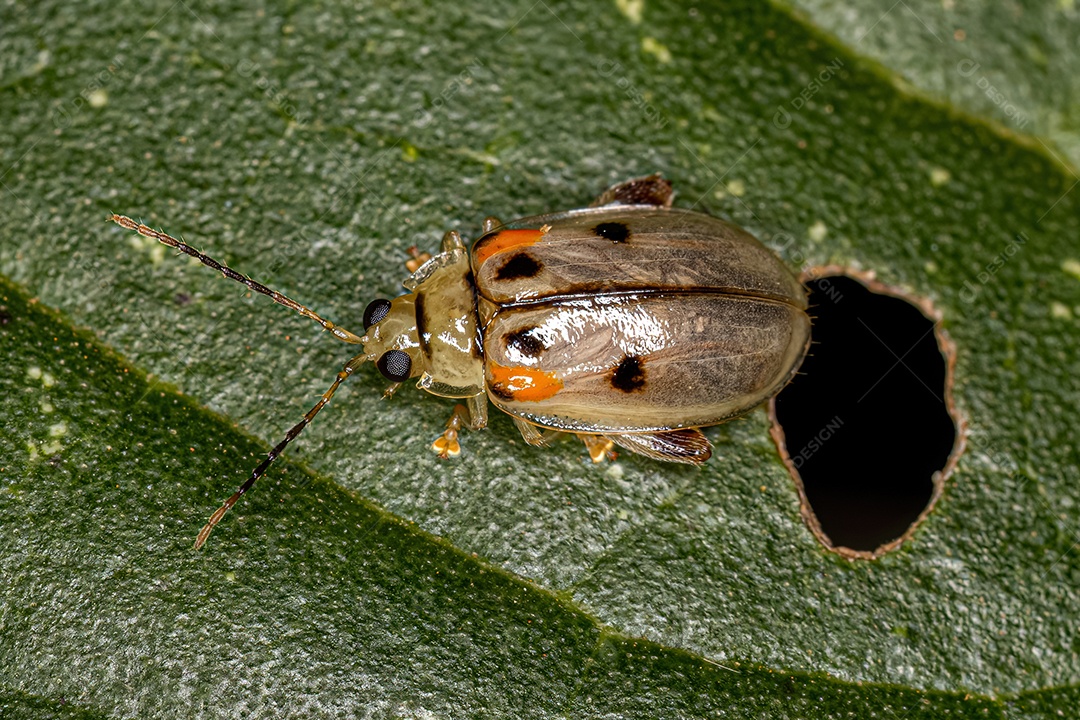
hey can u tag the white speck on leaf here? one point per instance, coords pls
(632, 9)
(657, 49)
(939, 176)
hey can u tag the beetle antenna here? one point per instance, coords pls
(278, 449)
(146, 231)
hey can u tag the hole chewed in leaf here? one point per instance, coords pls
(868, 428)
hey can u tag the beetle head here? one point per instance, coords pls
(390, 337)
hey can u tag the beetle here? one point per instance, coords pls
(629, 322)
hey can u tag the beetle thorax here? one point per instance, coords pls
(447, 327)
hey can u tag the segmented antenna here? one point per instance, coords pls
(338, 332)
(278, 449)
(146, 231)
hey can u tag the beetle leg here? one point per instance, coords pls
(599, 447)
(533, 434)
(490, 223)
(474, 417)
(648, 190)
(688, 445)
(452, 241)
(477, 406)
(416, 259)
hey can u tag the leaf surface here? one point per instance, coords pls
(309, 147)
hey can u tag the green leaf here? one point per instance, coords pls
(1013, 62)
(310, 146)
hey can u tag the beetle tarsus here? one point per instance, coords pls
(599, 447)
(447, 445)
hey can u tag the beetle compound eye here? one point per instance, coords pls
(395, 365)
(375, 312)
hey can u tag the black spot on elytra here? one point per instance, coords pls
(519, 267)
(616, 232)
(501, 390)
(525, 342)
(629, 376)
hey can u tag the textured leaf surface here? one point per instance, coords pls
(1017, 62)
(309, 147)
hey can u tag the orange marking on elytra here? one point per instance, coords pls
(507, 239)
(524, 384)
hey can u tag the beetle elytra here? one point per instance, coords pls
(629, 323)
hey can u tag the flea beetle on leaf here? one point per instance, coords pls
(629, 322)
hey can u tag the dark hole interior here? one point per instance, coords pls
(865, 419)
